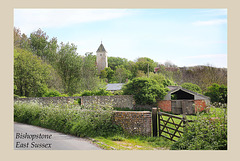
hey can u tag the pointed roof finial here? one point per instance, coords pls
(101, 48)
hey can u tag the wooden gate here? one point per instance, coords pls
(182, 107)
(167, 125)
(170, 126)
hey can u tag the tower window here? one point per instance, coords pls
(100, 54)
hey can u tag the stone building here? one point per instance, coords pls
(101, 58)
(183, 101)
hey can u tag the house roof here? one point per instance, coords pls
(114, 86)
(101, 48)
(174, 89)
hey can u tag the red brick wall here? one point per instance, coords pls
(165, 105)
(200, 105)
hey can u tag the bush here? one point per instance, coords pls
(145, 90)
(120, 92)
(192, 87)
(103, 92)
(76, 120)
(54, 93)
(87, 93)
(207, 132)
(77, 95)
(100, 92)
(217, 93)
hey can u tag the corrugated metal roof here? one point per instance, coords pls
(114, 86)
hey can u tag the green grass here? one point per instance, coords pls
(126, 142)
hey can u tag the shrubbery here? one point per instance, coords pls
(207, 132)
(100, 92)
(217, 93)
(71, 119)
(145, 90)
(54, 93)
(192, 87)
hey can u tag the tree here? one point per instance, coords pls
(69, 66)
(161, 79)
(204, 76)
(39, 41)
(217, 93)
(113, 62)
(145, 90)
(144, 63)
(140, 73)
(89, 76)
(170, 72)
(31, 74)
(107, 73)
(192, 87)
(21, 40)
(40, 46)
(121, 74)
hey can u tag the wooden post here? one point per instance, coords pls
(154, 121)
(184, 118)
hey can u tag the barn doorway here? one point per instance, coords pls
(182, 103)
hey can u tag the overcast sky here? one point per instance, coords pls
(185, 37)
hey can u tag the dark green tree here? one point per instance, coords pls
(69, 66)
(113, 62)
(217, 93)
(145, 90)
(31, 74)
(108, 74)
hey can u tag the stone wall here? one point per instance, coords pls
(134, 122)
(120, 101)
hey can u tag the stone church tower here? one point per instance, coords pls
(101, 58)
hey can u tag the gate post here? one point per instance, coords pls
(154, 121)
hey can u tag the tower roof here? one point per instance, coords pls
(101, 48)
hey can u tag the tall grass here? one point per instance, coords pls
(70, 119)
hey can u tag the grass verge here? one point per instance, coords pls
(125, 142)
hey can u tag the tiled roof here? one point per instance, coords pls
(101, 48)
(114, 86)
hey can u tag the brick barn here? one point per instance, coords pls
(183, 101)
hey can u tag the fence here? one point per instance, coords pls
(167, 125)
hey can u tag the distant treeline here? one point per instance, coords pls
(42, 66)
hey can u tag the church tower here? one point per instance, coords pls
(101, 58)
